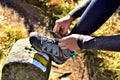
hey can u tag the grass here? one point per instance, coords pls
(107, 62)
(8, 36)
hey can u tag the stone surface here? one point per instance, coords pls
(25, 63)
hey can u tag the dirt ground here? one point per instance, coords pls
(70, 70)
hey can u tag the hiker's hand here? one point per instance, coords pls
(69, 42)
(62, 25)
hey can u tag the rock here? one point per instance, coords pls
(25, 63)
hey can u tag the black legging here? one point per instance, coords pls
(95, 13)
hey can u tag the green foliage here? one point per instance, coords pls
(106, 62)
(111, 64)
(8, 36)
(54, 9)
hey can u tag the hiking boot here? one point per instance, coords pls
(50, 47)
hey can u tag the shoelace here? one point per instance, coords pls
(43, 39)
(73, 53)
(51, 45)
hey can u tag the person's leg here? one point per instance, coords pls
(97, 12)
